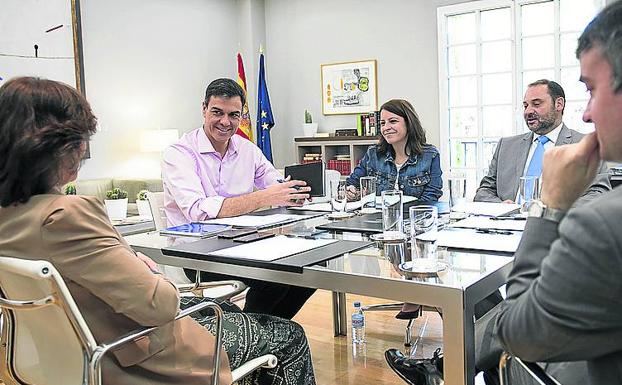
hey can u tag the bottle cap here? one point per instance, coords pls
(357, 304)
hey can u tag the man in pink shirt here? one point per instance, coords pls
(211, 173)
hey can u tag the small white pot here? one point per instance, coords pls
(144, 209)
(116, 208)
(309, 129)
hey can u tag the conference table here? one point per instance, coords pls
(469, 277)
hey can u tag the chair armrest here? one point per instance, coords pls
(266, 361)
(102, 349)
(197, 288)
(531, 369)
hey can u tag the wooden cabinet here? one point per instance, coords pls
(334, 150)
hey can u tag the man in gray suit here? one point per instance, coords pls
(564, 297)
(543, 106)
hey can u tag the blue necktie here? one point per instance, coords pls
(535, 165)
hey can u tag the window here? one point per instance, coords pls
(489, 51)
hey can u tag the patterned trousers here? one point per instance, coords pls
(249, 335)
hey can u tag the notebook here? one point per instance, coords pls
(312, 173)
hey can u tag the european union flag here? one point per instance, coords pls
(265, 120)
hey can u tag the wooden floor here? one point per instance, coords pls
(333, 357)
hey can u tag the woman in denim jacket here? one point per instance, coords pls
(402, 160)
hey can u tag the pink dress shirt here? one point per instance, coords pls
(197, 179)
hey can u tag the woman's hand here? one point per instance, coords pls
(352, 193)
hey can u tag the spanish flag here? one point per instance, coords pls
(244, 129)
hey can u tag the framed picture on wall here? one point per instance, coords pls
(349, 88)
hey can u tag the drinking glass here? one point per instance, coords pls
(528, 190)
(368, 194)
(338, 195)
(423, 231)
(457, 190)
(392, 213)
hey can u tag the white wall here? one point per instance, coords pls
(302, 35)
(147, 63)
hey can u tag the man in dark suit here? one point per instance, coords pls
(517, 155)
(564, 296)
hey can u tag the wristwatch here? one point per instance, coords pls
(538, 209)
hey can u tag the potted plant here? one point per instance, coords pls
(144, 209)
(309, 128)
(116, 204)
(70, 189)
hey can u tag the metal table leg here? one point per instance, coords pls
(340, 325)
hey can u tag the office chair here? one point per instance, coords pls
(177, 275)
(33, 297)
(513, 370)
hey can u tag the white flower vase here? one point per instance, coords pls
(144, 210)
(309, 129)
(116, 208)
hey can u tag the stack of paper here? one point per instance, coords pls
(258, 221)
(274, 248)
(480, 222)
(350, 206)
(472, 239)
(485, 208)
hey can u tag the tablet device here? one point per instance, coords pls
(235, 233)
(193, 229)
(312, 173)
(253, 237)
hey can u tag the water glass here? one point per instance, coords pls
(528, 190)
(338, 195)
(457, 190)
(424, 233)
(368, 194)
(392, 214)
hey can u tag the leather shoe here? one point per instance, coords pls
(412, 314)
(426, 371)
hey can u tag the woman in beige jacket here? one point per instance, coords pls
(44, 128)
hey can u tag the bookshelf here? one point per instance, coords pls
(341, 153)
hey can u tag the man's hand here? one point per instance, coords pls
(352, 193)
(149, 262)
(568, 170)
(508, 201)
(289, 193)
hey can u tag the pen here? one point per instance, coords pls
(491, 231)
(503, 218)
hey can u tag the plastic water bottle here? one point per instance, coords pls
(358, 324)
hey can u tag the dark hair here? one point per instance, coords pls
(43, 124)
(554, 89)
(605, 32)
(415, 133)
(226, 88)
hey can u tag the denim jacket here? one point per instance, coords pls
(419, 176)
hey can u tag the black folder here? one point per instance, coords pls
(312, 173)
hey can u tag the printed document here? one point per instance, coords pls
(258, 221)
(480, 222)
(350, 206)
(485, 208)
(472, 239)
(273, 248)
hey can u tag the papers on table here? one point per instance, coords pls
(480, 222)
(471, 239)
(259, 221)
(350, 206)
(485, 208)
(272, 249)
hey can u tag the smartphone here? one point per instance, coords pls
(236, 233)
(253, 237)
